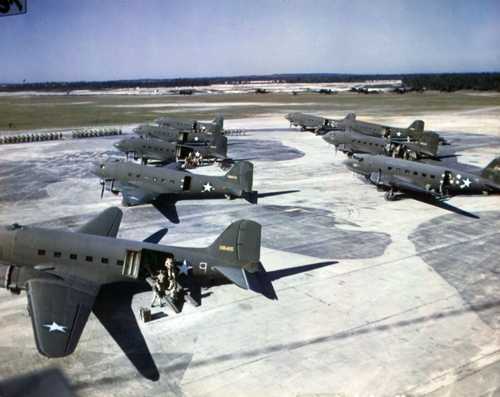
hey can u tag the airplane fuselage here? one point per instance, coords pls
(97, 259)
(426, 176)
(162, 181)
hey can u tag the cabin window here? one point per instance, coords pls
(119, 262)
(57, 254)
(72, 256)
(155, 179)
(407, 171)
(415, 173)
(162, 180)
(130, 174)
(424, 175)
(433, 176)
(389, 168)
(88, 258)
(41, 252)
(138, 176)
(104, 260)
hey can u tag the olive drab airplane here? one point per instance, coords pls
(349, 141)
(216, 126)
(417, 179)
(163, 187)
(169, 134)
(415, 132)
(309, 122)
(162, 151)
(65, 274)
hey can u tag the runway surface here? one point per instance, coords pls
(405, 298)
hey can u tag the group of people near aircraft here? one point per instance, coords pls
(66, 273)
(401, 161)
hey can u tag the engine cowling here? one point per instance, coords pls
(14, 278)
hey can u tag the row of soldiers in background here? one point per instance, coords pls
(95, 133)
(25, 138)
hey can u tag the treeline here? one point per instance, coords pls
(442, 82)
(449, 82)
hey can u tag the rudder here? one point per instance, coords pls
(492, 171)
(239, 245)
(242, 174)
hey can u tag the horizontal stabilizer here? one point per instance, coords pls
(234, 274)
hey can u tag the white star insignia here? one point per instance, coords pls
(465, 183)
(207, 187)
(55, 327)
(184, 269)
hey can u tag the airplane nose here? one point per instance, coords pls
(351, 164)
(97, 168)
(330, 138)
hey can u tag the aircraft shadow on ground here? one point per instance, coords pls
(114, 311)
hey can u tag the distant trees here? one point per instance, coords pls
(447, 82)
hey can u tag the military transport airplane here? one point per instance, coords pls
(309, 122)
(163, 186)
(349, 142)
(415, 131)
(216, 126)
(416, 179)
(66, 276)
(167, 152)
(173, 135)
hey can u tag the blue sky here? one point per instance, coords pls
(66, 40)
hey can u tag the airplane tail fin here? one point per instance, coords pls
(429, 143)
(219, 143)
(242, 174)
(492, 171)
(351, 116)
(238, 249)
(219, 123)
(417, 125)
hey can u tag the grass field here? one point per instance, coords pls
(63, 111)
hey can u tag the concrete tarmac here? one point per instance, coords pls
(405, 299)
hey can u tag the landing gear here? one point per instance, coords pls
(390, 195)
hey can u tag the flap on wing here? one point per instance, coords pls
(236, 275)
(106, 223)
(59, 312)
(134, 194)
(408, 186)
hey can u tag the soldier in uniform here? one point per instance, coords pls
(159, 287)
(171, 278)
(198, 159)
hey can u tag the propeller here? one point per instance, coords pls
(103, 184)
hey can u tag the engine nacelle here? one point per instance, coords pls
(14, 278)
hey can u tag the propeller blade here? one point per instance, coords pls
(103, 184)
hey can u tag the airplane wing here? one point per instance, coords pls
(407, 186)
(134, 195)
(167, 209)
(59, 311)
(106, 223)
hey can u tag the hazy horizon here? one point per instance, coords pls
(66, 41)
